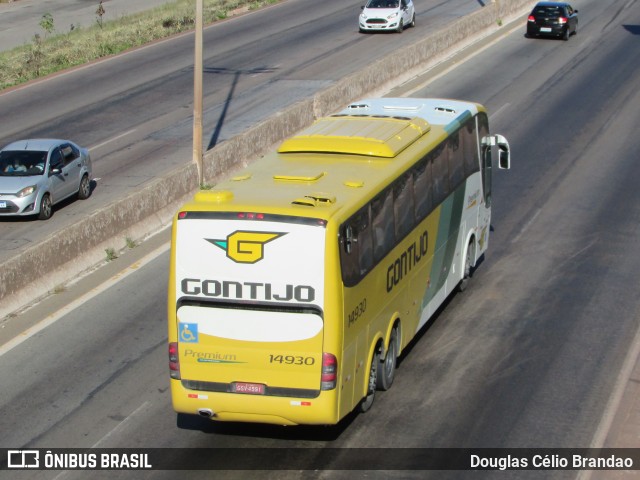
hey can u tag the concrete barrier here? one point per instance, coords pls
(67, 253)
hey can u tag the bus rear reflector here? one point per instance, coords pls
(174, 363)
(329, 377)
(251, 215)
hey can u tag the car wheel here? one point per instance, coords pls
(400, 27)
(46, 208)
(84, 191)
(413, 21)
(565, 35)
(366, 403)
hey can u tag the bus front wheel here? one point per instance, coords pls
(366, 403)
(466, 274)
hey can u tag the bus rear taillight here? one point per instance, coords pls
(174, 363)
(329, 377)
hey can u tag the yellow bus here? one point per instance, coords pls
(295, 285)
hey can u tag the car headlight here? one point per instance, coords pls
(363, 16)
(392, 16)
(26, 191)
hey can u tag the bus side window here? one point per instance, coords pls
(485, 157)
(383, 224)
(403, 205)
(470, 148)
(422, 191)
(365, 242)
(356, 254)
(456, 160)
(440, 172)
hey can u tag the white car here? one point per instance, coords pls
(382, 15)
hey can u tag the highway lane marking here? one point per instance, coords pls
(54, 317)
(456, 64)
(499, 111)
(613, 404)
(113, 139)
(118, 428)
(526, 226)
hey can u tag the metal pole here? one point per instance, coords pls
(197, 95)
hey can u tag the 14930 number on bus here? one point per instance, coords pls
(291, 359)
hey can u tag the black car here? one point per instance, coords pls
(555, 19)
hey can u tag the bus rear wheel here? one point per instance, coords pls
(366, 403)
(387, 368)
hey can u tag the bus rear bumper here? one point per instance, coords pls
(233, 407)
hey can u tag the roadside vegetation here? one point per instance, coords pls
(58, 47)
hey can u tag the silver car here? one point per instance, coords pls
(37, 174)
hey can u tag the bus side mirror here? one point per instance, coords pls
(504, 152)
(349, 239)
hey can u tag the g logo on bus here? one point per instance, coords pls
(245, 247)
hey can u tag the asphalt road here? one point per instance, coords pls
(527, 357)
(20, 19)
(135, 112)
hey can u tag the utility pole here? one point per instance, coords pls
(197, 95)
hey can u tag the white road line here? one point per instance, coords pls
(54, 317)
(526, 226)
(606, 422)
(499, 111)
(112, 139)
(118, 428)
(517, 26)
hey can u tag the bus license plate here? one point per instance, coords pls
(251, 388)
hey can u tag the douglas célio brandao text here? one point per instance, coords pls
(550, 461)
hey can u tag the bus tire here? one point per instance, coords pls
(466, 273)
(387, 368)
(366, 403)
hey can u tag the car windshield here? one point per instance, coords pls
(383, 4)
(22, 163)
(551, 12)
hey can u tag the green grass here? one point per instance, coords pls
(51, 51)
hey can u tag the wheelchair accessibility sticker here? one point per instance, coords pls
(188, 332)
